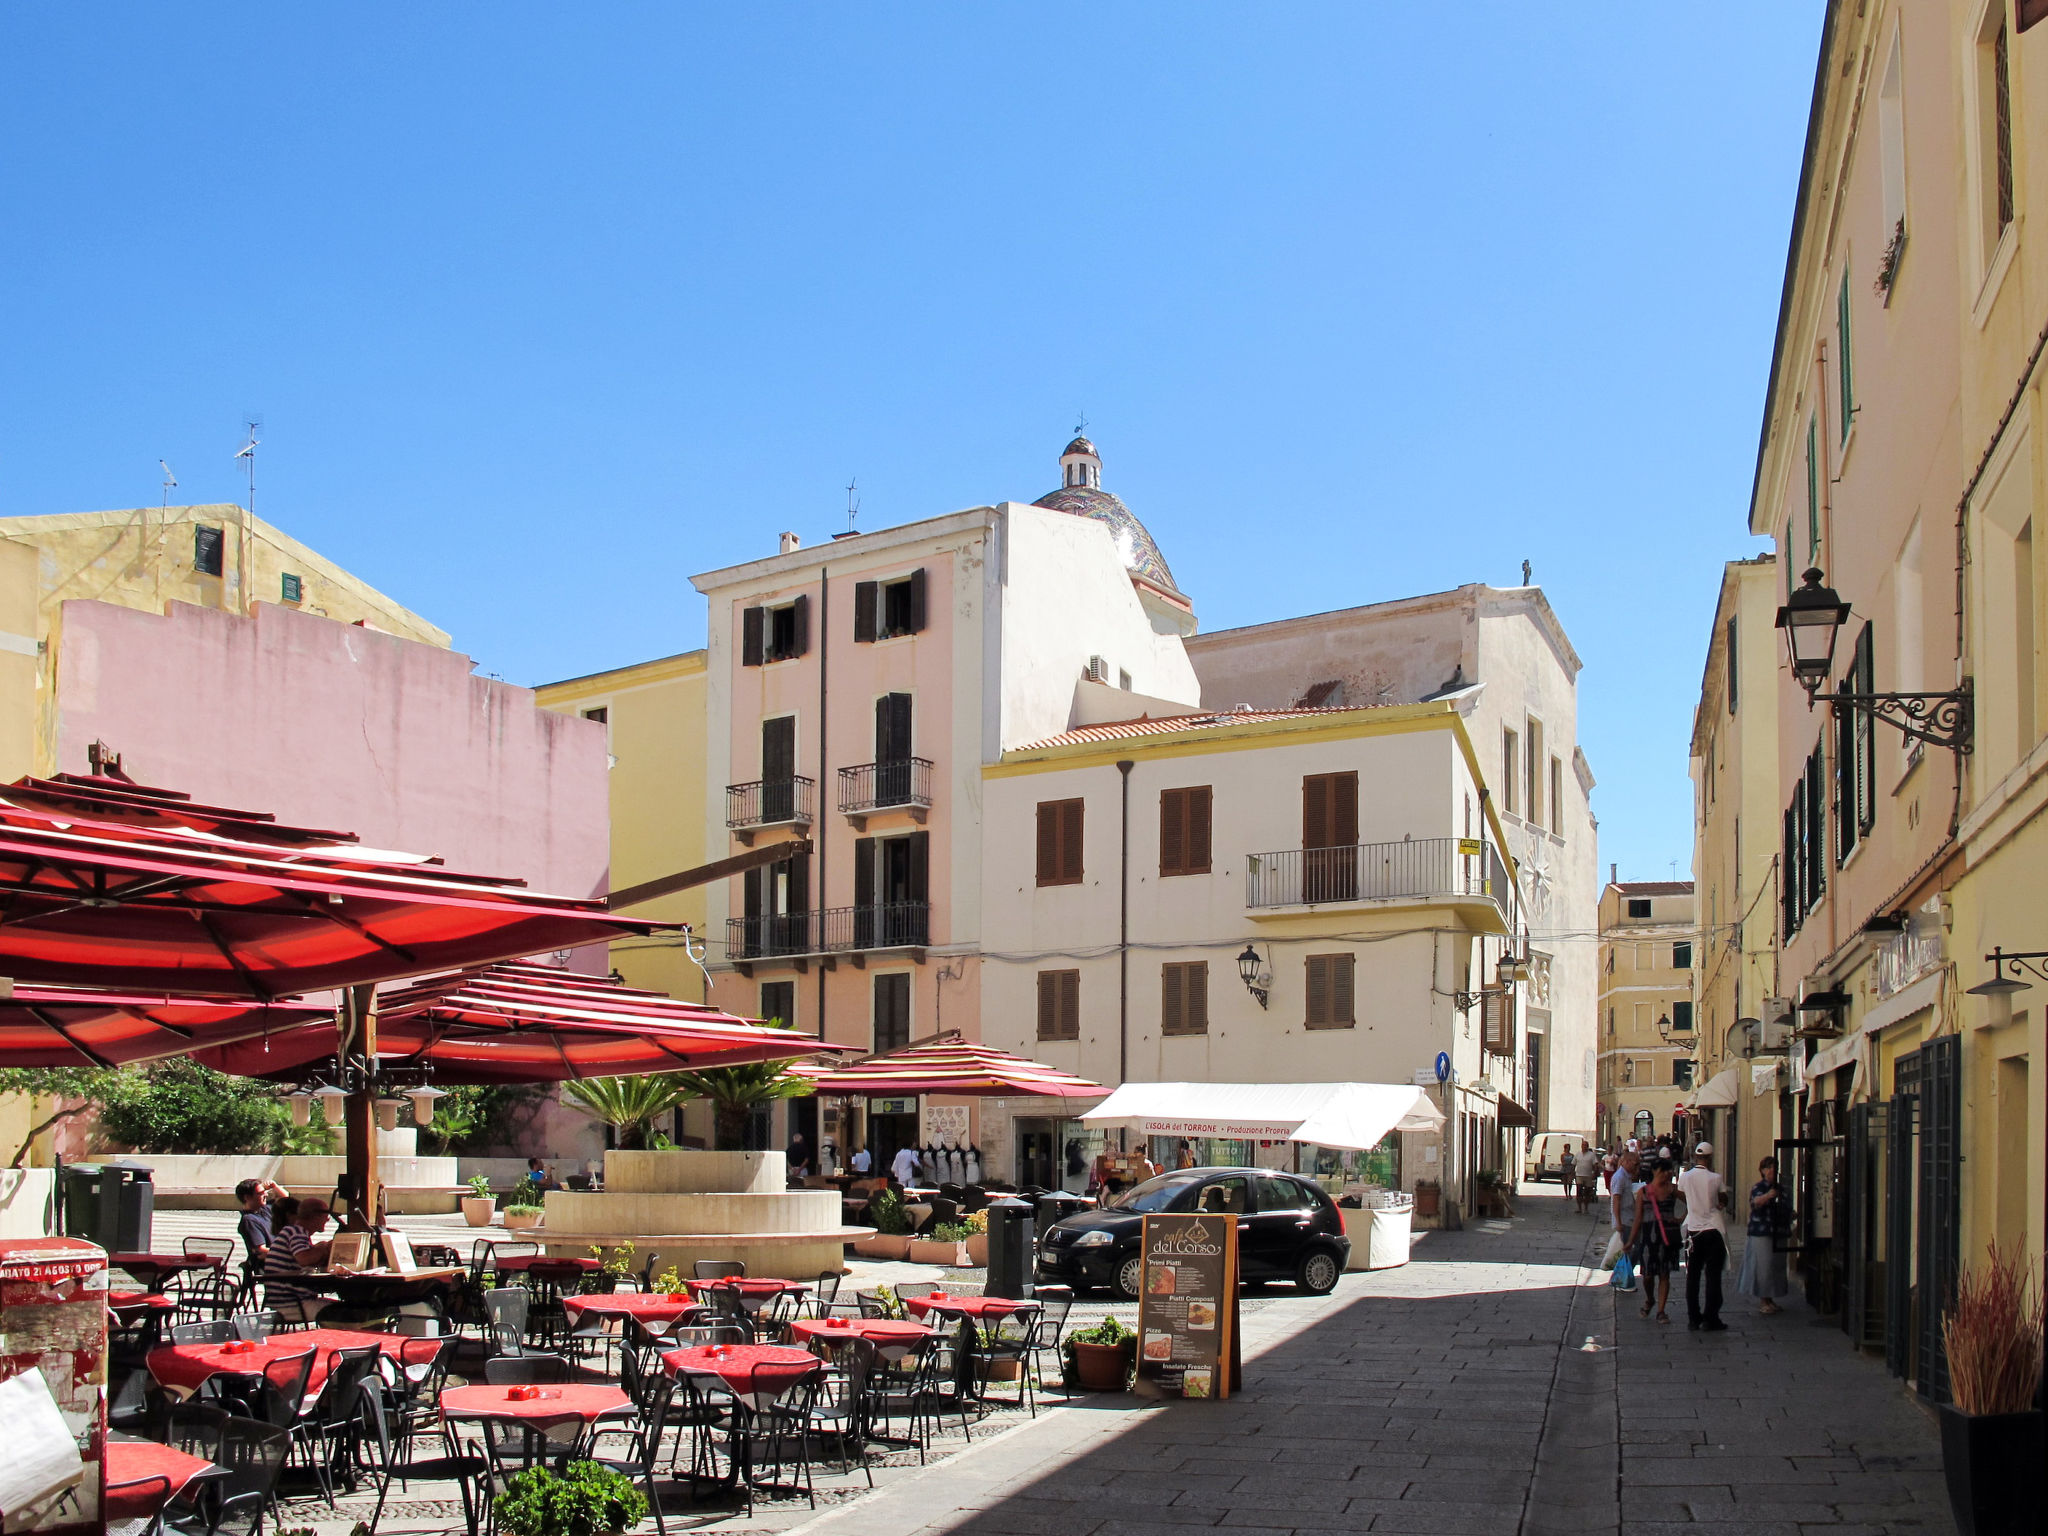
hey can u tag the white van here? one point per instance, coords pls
(1546, 1152)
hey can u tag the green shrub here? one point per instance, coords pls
(177, 1105)
(1108, 1331)
(885, 1207)
(585, 1500)
(951, 1232)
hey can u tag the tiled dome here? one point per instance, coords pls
(1087, 498)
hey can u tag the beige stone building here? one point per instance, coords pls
(1647, 931)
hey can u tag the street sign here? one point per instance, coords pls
(1443, 1066)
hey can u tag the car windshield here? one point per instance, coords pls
(1160, 1194)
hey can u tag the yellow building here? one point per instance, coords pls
(1645, 1018)
(1740, 1058)
(1905, 454)
(653, 713)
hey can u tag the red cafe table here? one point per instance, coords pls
(185, 1368)
(149, 1308)
(733, 1364)
(878, 1330)
(560, 1417)
(976, 1307)
(752, 1293)
(143, 1476)
(648, 1306)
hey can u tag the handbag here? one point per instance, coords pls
(1624, 1276)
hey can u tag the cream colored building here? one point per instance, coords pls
(1647, 931)
(1741, 1072)
(1350, 852)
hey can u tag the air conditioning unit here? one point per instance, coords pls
(1097, 670)
(1774, 1029)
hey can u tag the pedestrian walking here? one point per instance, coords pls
(1585, 1169)
(1621, 1205)
(1763, 1261)
(1706, 1244)
(1655, 1240)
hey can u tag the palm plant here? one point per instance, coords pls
(629, 1105)
(734, 1091)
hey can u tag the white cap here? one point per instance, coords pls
(1704, 1149)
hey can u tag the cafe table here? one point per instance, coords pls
(143, 1476)
(151, 1270)
(648, 1306)
(733, 1364)
(562, 1415)
(878, 1330)
(976, 1307)
(149, 1308)
(185, 1368)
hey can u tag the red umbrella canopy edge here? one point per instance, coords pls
(107, 884)
(79, 1027)
(956, 1067)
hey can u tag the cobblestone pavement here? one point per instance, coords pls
(1454, 1396)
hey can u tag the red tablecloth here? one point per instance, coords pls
(129, 1301)
(964, 1306)
(186, 1367)
(520, 1262)
(571, 1400)
(882, 1330)
(133, 1467)
(650, 1305)
(751, 1290)
(735, 1365)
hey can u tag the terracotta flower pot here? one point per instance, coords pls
(478, 1210)
(977, 1250)
(1992, 1464)
(521, 1220)
(1103, 1367)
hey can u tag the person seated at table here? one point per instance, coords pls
(540, 1176)
(293, 1250)
(797, 1155)
(254, 1227)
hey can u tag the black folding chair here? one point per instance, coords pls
(394, 1459)
(218, 1331)
(718, 1269)
(527, 1371)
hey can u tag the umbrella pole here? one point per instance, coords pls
(359, 1060)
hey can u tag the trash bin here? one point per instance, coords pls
(111, 1204)
(1056, 1206)
(1011, 1250)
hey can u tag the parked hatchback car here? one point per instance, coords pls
(1288, 1229)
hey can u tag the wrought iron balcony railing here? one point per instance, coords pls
(1421, 869)
(770, 802)
(834, 930)
(869, 787)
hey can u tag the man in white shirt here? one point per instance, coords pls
(1706, 1246)
(1585, 1169)
(861, 1161)
(905, 1166)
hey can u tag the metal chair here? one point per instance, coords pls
(718, 1269)
(251, 1453)
(255, 1326)
(1012, 1336)
(778, 1419)
(416, 1393)
(219, 1331)
(222, 1248)
(1055, 1302)
(546, 1320)
(506, 1308)
(394, 1459)
(839, 1411)
(527, 1371)
(331, 1430)
(651, 1403)
(825, 1294)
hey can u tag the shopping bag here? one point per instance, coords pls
(1624, 1276)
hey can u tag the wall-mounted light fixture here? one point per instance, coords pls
(1248, 967)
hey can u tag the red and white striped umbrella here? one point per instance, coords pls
(956, 1067)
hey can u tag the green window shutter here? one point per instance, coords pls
(1813, 488)
(294, 589)
(1848, 391)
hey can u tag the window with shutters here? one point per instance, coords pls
(778, 1001)
(1510, 770)
(1730, 663)
(1805, 850)
(1681, 956)
(883, 610)
(1497, 1020)
(1681, 1016)
(891, 891)
(1184, 830)
(1331, 980)
(1557, 795)
(892, 1011)
(1639, 906)
(1329, 837)
(1532, 771)
(778, 633)
(206, 550)
(1059, 1005)
(292, 588)
(1813, 489)
(1845, 377)
(1059, 842)
(1856, 753)
(1184, 998)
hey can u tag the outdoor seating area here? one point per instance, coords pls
(711, 1392)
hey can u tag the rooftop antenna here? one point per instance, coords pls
(852, 502)
(247, 455)
(1081, 424)
(170, 484)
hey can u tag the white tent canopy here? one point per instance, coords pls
(1720, 1091)
(1350, 1116)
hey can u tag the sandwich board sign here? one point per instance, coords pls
(1187, 1307)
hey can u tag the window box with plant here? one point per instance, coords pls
(1099, 1359)
(479, 1205)
(891, 1239)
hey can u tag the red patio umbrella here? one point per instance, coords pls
(74, 1027)
(956, 1067)
(111, 884)
(527, 1024)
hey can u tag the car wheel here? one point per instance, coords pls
(1317, 1272)
(1130, 1275)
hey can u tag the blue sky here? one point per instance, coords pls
(544, 309)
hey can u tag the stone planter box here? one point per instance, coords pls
(878, 1246)
(977, 1250)
(931, 1251)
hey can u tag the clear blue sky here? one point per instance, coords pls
(545, 308)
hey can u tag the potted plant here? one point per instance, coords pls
(945, 1245)
(892, 1227)
(669, 1282)
(977, 1239)
(613, 1265)
(1493, 1195)
(584, 1499)
(522, 1208)
(479, 1205)
(1100, 1359)
(1991, 1434)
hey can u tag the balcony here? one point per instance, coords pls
(872, 789)
(827, 934)
(788, 802)
(1423, 871)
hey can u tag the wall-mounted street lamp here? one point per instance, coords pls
(1248, 968)
(2031, 962)
(1813, 620)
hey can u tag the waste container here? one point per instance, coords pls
(1011, 1259)
(111, 1204)
(1056, 1206)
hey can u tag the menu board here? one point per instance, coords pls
(1187, 1307)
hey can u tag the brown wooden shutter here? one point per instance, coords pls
(1049, 842)
(1171, 1014)
(1194, 997)
(1173, 831)
(865, 600)
(1048, 1005)
(1197, 844)
(800, 641)
(919, 882)
(2032, 11)
(1342, 989)
(1318, 990)
(1344, 809)
(753, 625)
(1070, 1005)
(1070, 843)
(917, 600)
(863, 871)
(1315, 811)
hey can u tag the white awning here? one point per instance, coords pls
(1354, 1116)
(1852, 1054)
(1721, 1091)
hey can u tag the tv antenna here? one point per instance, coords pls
(852, 502)
(170, 484)
(1081, 424)
(247, 454)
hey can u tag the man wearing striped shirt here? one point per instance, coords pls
(294, 1248)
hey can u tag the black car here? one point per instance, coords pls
(1288, 1229)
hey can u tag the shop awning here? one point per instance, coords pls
(1721, 1091)
(1349, 1116)
(1511, 1116)
(954, 1068)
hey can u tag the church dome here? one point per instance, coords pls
(1081, 493)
